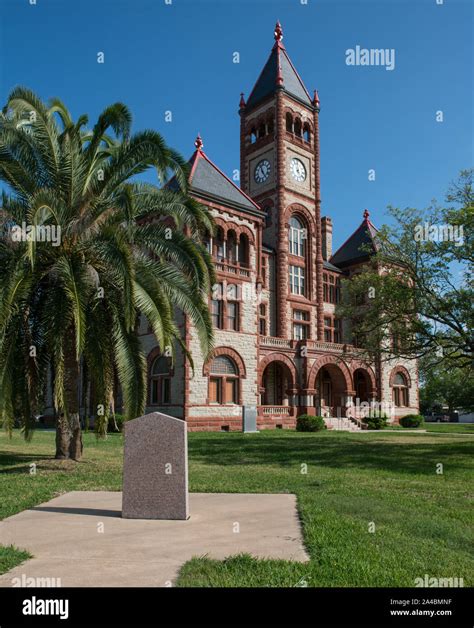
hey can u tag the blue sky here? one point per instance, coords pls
(179, 57)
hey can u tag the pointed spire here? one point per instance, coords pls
(278, 72)
(199, 143)
(316, 102)
(366, 215)
(242, 101)
(278, 33)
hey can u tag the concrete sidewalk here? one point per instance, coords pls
(81, 538)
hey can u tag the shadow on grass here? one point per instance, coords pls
(332, 452)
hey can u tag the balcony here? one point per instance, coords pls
(273, 342)
(233, 269)
(277, 343)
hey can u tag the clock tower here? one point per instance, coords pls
(279, 153)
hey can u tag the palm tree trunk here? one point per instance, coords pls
(71, 396)
(63, 437)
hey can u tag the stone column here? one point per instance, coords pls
(319, 250)
(282, 249)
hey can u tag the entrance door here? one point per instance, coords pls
(327, 393)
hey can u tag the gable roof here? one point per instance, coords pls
(210, 183)
(351, 251)
(278, 72)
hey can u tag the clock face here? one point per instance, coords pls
(262, 171)
(297, 169)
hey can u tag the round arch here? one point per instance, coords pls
(301, 212)
(229, 352)
(400, 369)
(327, 360)
(368, 372)
(278, 357)
(151, 357)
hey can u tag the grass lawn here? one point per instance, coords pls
(444, 428)
(11, 556)
(423, 520)
(450, 428)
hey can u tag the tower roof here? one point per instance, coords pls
(359, 246)
(278, 72)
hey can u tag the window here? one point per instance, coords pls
(231, 248)
(223, 381)
(265, 270)
(296, 237)
(331, 288)
(218, 245)
(306, 133)
(298, 127)
(332, 329)
(327, 329)
(160, 381)
(337, 330)
(400, 391)
(233, 315)
(243, 251)
(262, 321)
(289, 123)
(300, 325)
(297, 285)
(216, 313)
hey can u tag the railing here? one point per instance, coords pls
(276, 410)
(272, 341)
(234, 269)
(284, 343)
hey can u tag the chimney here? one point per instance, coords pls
(326, 234)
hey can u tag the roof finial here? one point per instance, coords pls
(199, 143)
(278, 32)
(316, 99)
(366, 214)
(242, 101)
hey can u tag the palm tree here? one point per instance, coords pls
(126, 248)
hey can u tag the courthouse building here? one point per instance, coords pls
(279, 345)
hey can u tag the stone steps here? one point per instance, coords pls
(342, 424)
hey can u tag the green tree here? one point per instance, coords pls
(126, 248)
(415, 297)
(445, 386)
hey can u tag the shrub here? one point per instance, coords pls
(119, 421)
(411, 420)
(309, 423)
(376, 421)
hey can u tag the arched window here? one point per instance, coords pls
(289, 123)
(306, 133)
(244, 250)
(223, 381)
(231, 247)
(298, 127)
(218, 244)
(253, 136)
(160, 381)
(400, 391)
(296, 237)
(270, 126)
(261, 130)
